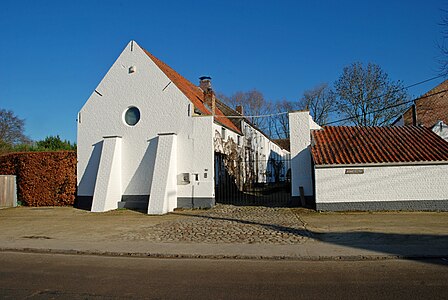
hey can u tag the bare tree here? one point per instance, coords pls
(367, 97)
(11, 129)
(274, 118)
(280, 122)
(253, 103)
(320, 101)
(443, 44)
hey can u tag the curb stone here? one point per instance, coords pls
(221, 256)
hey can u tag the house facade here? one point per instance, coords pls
(149, 139)
(369, 168)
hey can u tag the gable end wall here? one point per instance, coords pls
(163, 108)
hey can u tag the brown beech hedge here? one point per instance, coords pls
(43, 178)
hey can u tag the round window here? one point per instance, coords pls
(132, 116)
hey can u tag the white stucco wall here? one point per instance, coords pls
(382, 183)
(270, 150)
(196, 156)
(264, 149)
(300, 123)
(229, 134)
(163, 109)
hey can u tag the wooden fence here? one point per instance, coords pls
(8, 191)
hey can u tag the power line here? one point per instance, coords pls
(374, 98)
(378, 110)
(424, 81)
(398, 90)
(257, 116)
(384, 108)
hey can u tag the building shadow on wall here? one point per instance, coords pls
(400, 245)
(88, 180)
(143, 176)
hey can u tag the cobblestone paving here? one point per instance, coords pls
(228, 224)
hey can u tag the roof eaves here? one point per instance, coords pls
(382, 164)
(227, 127)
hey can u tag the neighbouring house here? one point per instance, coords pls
(430, 110)
(150, 139)
(284, 143)
(368, 168)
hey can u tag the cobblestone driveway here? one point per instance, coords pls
(228, 224)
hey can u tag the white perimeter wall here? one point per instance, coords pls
(163, 108)
(393, 183)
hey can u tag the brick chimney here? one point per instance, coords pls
(205, 83)
(240, 109)
(414, 115)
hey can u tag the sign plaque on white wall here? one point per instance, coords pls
(354, 171)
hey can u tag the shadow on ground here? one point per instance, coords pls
(401, 245)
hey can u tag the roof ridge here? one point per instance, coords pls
(336, 145)
(227, 106)
(434, 89)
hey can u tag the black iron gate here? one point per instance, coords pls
(264, 182)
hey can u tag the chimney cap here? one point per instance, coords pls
(205, 78)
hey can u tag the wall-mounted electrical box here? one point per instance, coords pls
(183, 179)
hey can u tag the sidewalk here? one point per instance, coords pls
(227, 232)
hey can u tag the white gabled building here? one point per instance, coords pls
(148, 138)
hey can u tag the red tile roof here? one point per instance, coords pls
(192, 92)
(340, 145)
(431, 108)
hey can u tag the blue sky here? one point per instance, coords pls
(54, 53)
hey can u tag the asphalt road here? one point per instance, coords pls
(46, 276)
